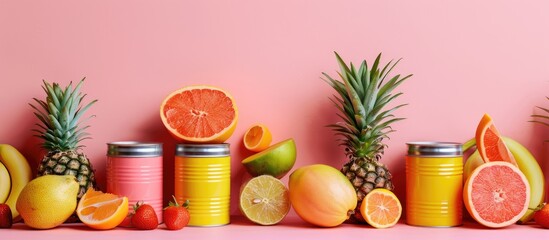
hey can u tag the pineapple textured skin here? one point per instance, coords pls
(69, 163)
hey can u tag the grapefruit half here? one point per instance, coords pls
(199, 114)
(496, 194)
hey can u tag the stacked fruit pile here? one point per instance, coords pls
(504, 182)
(264, 199)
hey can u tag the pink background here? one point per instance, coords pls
(466, 59)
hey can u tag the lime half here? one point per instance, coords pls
(264, 200)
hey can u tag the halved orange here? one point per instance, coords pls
(100, 210)
(199, 114)
(490, 144)
(381, 208)
(257, 138)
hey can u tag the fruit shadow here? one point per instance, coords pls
(474, 225)
(31, 147)
(288, 222)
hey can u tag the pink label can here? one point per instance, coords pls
(134, 170)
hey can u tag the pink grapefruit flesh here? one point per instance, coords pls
(496, 194)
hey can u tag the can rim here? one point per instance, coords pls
(426, 148)
(134, 149)
(202, 150)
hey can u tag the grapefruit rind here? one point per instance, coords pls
(219, 137)
(473, 210)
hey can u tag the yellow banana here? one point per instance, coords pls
(5, 183)
(531, 169)
(20, 174)
(527, 165)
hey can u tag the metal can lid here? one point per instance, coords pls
(202, 150)
(439, 149)
(134, 149)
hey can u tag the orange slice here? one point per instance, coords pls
(257, 138)
(199, 114)
(490, 144)
(100, 210)
(381, 208)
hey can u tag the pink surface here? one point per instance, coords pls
(290, 228)
(467, 59)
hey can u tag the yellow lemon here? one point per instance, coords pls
(47, 201)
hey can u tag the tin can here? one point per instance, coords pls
(202, 175)
(134, 170)
(434, 184)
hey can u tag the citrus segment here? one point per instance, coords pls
(264, 200)
(496, 194)
(102, 210)
(201, 114)
(381, 208)
(257, 138)
(277, 160)
(490, 144)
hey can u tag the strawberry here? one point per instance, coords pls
(175, 216)
(542, 215)
(144, 217)
(5, 216)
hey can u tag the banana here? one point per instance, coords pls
(530, 167)
(526, 163)
(20, 174)
(5, 183)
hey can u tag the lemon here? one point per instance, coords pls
(47, 201)
(277, 160)
(264, 200)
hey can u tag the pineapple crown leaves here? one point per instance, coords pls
(59, 116)
(363, 95)
(541, 119)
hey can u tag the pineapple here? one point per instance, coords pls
(59, 118)
(364, 96)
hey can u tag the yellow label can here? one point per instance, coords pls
(202, 175)
(434, 184)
